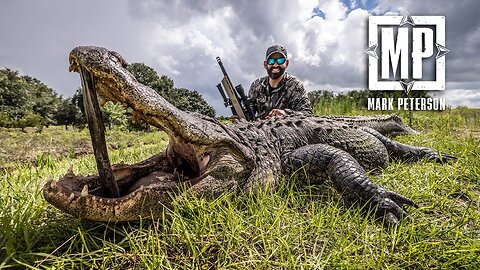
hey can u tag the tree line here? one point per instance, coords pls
(27, 102)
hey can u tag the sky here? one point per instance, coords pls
(325, 40)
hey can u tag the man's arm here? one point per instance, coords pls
(299, 100)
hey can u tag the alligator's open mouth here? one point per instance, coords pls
(144, 188)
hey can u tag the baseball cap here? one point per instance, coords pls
(274, 49)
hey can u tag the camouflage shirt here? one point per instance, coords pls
(289, 96)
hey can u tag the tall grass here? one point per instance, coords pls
(296, 226)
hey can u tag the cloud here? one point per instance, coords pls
(460, 97)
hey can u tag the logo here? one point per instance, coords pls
(406, 53)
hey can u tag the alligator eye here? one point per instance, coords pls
(119, 59)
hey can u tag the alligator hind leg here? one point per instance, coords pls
(349, 179)
(407, 152)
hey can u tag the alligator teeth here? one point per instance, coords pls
(203, 161)
(84, 191)
(53, 183)
(73, 67)
(101, 101)
(136, 117)
(70, 171)
(70, 198)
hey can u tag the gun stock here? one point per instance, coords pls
(227, 85)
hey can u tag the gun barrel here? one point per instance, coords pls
(222, 67)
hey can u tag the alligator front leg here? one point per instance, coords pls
(349, 179)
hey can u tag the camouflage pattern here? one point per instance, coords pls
(289, 96)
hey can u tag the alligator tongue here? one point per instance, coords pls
(97, 132)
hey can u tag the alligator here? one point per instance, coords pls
(389, 125)
(206, 157)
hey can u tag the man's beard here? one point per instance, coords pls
(277, 75)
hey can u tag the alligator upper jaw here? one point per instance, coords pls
(113, 82)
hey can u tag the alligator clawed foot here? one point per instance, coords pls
(388, 206)
(444, 157)
(434, 155)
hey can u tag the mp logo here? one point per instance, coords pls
(412, 53)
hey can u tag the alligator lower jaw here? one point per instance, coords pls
(146, 190)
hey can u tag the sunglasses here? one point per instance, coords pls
(279, 60)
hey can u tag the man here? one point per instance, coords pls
(278, 93)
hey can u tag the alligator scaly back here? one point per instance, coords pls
(385, 124)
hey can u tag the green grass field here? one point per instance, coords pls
(304, 227)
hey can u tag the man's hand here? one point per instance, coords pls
(275, 112)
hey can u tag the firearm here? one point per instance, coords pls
(236, 100)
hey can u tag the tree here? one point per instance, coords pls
(5, 120)
(144, 74)
(182, 98)
(319, 96)
(114, 114)
(27, 98)
(13, 94)
(43, 100)
(191, 101)
(30, 120)
(68, 114)
(77, 100)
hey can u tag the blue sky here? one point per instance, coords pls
(351, 5)
(368, 5)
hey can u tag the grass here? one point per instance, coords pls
(304, 227)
